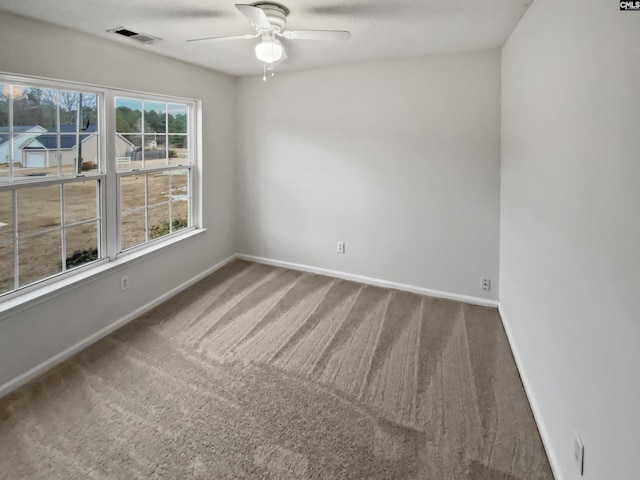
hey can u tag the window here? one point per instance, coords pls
(76, 191)
(154, 169)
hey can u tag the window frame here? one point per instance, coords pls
(189, 165)
(107, 177)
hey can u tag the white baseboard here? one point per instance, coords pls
(372, 281)
(544, 434)
(62, 356)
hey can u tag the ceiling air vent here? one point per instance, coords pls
(138, 37)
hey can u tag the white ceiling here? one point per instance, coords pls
(380, 29)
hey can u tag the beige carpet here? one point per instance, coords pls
(262, 372)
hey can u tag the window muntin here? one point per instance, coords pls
(155, 172)
(54, 200)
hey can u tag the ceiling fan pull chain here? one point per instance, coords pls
(264, 72)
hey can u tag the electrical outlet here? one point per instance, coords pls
(485, 284)
(578, 453)
(340, 247)
(124, 283)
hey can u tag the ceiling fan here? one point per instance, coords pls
(269, 20)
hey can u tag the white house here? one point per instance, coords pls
(22, 135)
(37, 147)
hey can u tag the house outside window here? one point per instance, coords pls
(77, 191)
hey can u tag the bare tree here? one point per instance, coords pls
(68, 101)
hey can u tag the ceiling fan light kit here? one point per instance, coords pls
(269, 50)
(269, 20)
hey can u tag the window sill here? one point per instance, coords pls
(29, 299)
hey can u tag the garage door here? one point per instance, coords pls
(35, 159)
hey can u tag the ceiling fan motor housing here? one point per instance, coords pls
(276, 14)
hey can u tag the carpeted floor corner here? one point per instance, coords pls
(260, 372)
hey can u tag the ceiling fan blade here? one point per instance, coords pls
(232, 37)
(254, 14)
(370, 9)
(335, 35)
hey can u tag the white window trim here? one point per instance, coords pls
(113, 258)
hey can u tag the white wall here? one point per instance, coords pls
(398, 159)
(570, 227)
(34, 48)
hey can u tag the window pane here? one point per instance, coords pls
(69, 110)
(6, 216)
(88, 153)
(133, 228)
(132, 192)
(155, 150)
(178, 149)
(80, 202)
(67, 153)
(89, 112)
(128, 115)
(128, 152)
(5, 91)
(157, 188)
(82, 244)
(179, 214)
(155, 117)
(69, 103)
(34, 108)
(159, 221)
(39, 257)
(177, 118)
(6, 267)
(38, 209)
(4, 132)
(179, 184)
